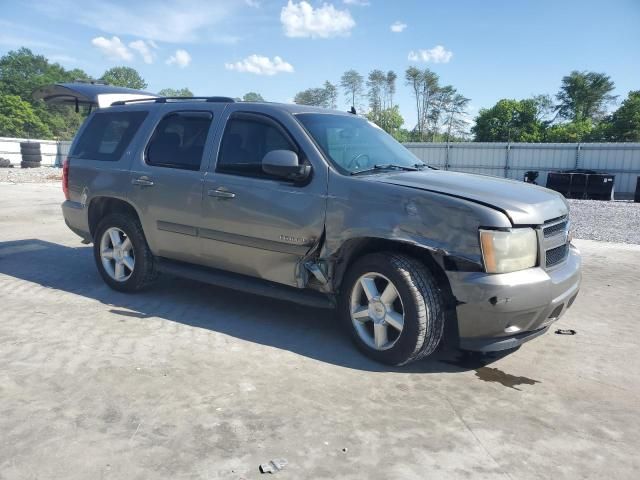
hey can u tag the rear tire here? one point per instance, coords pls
(129, 266)
(416, 304)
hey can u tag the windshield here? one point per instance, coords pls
(353, 144)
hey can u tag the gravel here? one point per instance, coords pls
(30, 175)
(617, 221)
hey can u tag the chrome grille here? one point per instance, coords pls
(555, 229)
(555, 244)
(557, 255)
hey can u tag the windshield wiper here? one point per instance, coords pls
(386, 166)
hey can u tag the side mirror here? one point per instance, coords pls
(285, 164)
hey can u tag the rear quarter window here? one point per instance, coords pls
(107, 135)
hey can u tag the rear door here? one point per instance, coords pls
(252, 223)
(167, 178)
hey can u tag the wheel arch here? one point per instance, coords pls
(435, 261)
(99, 207)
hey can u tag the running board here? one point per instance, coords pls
(236, 281)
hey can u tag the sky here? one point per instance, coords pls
(486, 49)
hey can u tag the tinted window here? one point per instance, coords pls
(107, 135)
(246, 141)
(179, 140)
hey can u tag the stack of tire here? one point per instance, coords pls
(31, 155)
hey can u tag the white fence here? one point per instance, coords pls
(53, 152)
(512, 160)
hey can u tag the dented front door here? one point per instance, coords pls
(252, 224)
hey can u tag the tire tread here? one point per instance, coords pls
(427, 300)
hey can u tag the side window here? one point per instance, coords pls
(179, 140)
(246, 140)
(107, 135)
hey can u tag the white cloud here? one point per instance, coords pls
(260, 65)
(302, 20)
(170, 21)
(357, 3)
(437, 54)
(144, 49)
(62, 58)
(112, 48)
(398, 27)
(252, 3)
(181, 58)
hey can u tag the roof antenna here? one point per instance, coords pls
(353, 110)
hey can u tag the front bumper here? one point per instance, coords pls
(502, 311)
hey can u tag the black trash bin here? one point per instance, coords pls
(636, 198)
(531, 176)
(560, 182)
(600, 186)
(582, 184)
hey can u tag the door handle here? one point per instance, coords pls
(219, 193)
(142, 181)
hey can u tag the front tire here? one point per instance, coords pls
(121, 253)
(393, 307)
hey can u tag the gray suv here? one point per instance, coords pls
(322, 208)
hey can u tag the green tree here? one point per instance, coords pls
(352, 85)
(625, 122)
(22, 72)
(388, 119)
(17, 119)
(570, 132)
(376, 82)
(320, 97)
(584, 95)
(424, 86)
(331, 92)
(508, 120)
(454, 110)
(252, 97)
(173, 92)
(124, 77)
(390, 88)
(545, 109)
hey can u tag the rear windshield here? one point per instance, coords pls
(107, 135)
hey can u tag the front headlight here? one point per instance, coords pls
(509, 251)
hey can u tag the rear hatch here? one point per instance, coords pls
(88, 94)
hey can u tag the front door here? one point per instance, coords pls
(252, 223)
(167, 181)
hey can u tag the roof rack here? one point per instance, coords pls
(179, 99)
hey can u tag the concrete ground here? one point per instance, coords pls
(190, 381)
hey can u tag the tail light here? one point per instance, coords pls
(65, 178)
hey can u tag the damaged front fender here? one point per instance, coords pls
(361, 211)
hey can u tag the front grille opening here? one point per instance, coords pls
(556, 255)
(556, 229)
(572, 300)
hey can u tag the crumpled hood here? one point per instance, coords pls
(523, 203)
